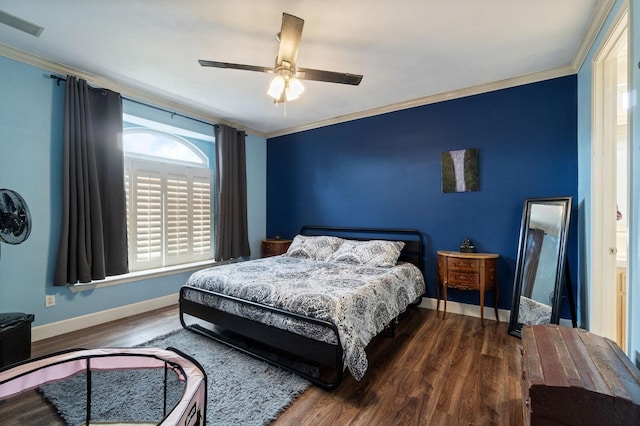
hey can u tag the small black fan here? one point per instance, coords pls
(15, 219)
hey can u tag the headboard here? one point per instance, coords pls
(413, 251)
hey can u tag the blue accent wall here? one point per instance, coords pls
(384, 171)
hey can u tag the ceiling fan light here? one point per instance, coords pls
(295, 86)
(290, 95)
(276, 87)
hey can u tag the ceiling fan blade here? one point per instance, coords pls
(216, 64)
(329, 76)
(20, 24)
(290, 35)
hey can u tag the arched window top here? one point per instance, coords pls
(154, 145)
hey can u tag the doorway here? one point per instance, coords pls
(610, 186)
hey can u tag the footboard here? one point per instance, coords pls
(299, 354)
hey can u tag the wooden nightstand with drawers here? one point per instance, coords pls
(467, 271)
(275, 246)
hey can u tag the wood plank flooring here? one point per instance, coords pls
(434, 372)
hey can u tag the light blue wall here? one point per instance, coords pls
(29, 125)
(31, 107)
(585, 97)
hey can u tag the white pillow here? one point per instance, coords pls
(379, 253)
(314, 247)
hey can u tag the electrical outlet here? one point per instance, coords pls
(49, 300)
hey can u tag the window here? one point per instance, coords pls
(169, 195)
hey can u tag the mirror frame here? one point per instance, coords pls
(565, 202)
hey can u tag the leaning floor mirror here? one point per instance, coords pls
(540, 267)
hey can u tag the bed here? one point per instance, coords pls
(314, 309)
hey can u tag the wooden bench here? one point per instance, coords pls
(573, 377)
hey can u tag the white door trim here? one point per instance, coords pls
(602, 290)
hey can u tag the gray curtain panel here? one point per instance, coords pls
(93, 241)
(232, 239)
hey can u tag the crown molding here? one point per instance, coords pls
(432, 99)
(602, 11)
(126, 90)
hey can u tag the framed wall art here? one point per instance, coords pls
(460, 170)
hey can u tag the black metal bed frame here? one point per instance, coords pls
(237, 331)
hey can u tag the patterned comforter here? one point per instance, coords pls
(360, 300)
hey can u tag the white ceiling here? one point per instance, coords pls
(406, 49)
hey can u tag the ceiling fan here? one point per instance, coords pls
(286, 85)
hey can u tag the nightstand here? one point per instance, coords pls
(467, 271)
(275, 247)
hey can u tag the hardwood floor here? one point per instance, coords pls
(434, 372)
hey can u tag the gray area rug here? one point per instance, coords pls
(240, 389)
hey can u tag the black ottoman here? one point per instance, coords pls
(15, 337)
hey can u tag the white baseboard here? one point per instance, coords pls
(465, 309)
(73, 324)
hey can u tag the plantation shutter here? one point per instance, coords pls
(147, 225)
(127, 189)
(177, 217)
(169, 214)
(201, 222)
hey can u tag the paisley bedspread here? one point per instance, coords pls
(360, 300)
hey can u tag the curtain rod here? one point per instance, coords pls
(59, 79)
